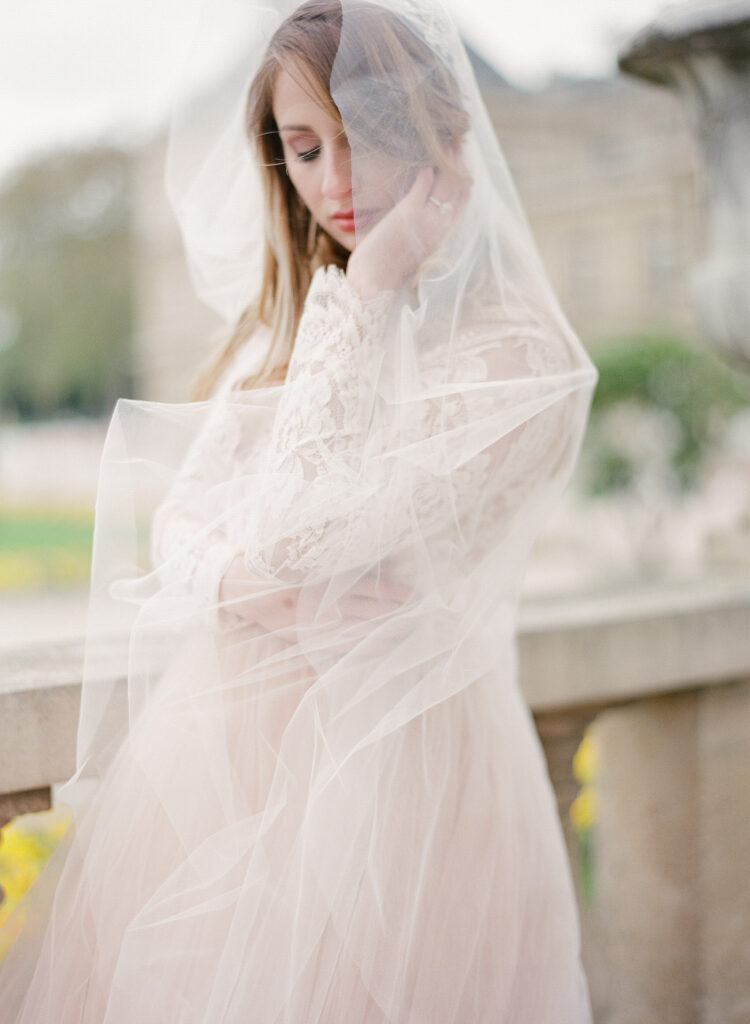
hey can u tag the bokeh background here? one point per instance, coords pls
(95, 303)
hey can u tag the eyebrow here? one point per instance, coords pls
(295, 128)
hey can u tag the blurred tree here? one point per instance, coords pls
(680, 392)
(65, 285)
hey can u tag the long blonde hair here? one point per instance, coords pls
(429, 110)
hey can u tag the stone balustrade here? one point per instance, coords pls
(664, 676)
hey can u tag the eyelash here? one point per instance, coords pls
(308, 154)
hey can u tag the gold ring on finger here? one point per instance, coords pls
(443, 207)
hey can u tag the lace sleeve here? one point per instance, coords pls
(343, 477)
(326, 408)
(320, 422)
(518, 432)
(318, 447)
(353, 481)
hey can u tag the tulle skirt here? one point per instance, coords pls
(232, 868)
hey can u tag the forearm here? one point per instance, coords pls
(322, 426)
(244, 596)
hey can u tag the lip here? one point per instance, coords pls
(347, 220)
(344, 219)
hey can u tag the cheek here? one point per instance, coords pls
(385, 179)
(302, 179)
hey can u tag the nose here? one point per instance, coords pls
(337, 172)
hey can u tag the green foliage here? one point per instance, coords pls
(663, 375)
(43, 547)
(65, 286)
(34, 528)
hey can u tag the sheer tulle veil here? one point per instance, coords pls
(349, 820)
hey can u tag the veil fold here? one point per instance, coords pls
(345, 816)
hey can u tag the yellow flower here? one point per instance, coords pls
(586, 759)
(25, 845)
(583, 809)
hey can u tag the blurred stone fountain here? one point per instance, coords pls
(701, 49)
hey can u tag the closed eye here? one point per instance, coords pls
(308, 154)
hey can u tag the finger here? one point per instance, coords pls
(397, 592)
(371, 586)
(447, 188)
(420, 190)
(367, 586)
(367, 608)
(447, 202)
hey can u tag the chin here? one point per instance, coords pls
(343, 238)
(347, 240)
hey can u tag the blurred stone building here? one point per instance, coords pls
(610, 180)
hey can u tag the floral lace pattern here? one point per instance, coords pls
(341, 490)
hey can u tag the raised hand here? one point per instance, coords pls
(392, 252)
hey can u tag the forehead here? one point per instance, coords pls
(294, 104)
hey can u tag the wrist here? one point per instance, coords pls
(360, 284)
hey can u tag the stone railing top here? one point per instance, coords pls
(576, 654)
(612, 648)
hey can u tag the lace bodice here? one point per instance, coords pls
(335, 495)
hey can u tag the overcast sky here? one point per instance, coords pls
(72, 69)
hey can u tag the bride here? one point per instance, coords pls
(308, 787)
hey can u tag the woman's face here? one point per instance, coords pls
(319, 165)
